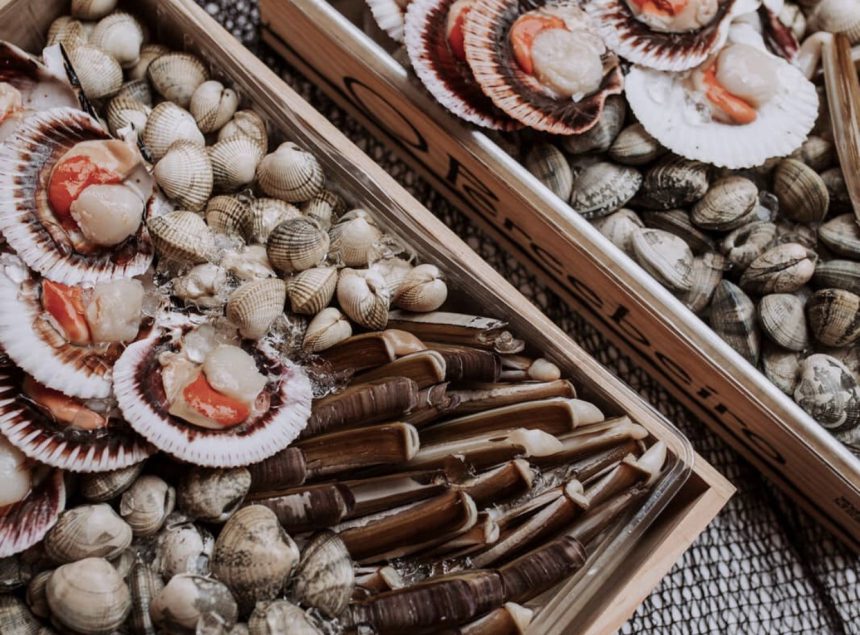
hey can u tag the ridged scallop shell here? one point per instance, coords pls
(99, 74)
(148, 53)
(246, 123)
(389, 15)
(324, 207)
(842, 235)
(353, 237)
(139, 392)
(449, 79)
(266, 214)
(175, 76)
(147, 504)
(327, 328)
(297, 244)
(104, 486)
(255, 305)
(254, 556)
(167, 124)
(666, 257)
(213, 495)
(187, 599)
(829, 393)
(550, 167)
(87, 531)
(311, 290)
(120, 35)
(213, 105)
(783, 320)
(123, 111)
(290, 173)
(674, 182)
(601, 136)
(229, 215)
(801, 192)
(184, 174)
(363, 296)
(678, 222)
(747, 243)
(619, 228)
(603, 187)
(181, 236)
(634, 146)
(25, 165)
(518, 94)
(733, 318)
(92, 9)
(781, 269)
(422, 290)
(834, 317)
(325, 577)
(67, 31)
(729, 203)
(88, 596)
(26, 522)
(234, 162)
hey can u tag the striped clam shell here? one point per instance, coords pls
(290, 173)
(176, 76)
(234, 162)
(228, 215)
(25, 523)
(182, 236)
(297, 244)
(733, 318)
(184, 174)
(311, 290)
(266, 214)
(255, 305)
(98, 72)
(27, 222)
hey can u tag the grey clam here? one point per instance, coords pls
(834, 317)
(842, 235)
(36, 593)
(144, 585)
(619, 228)
(146, 504)
(550, 167)
(634, 146)
(678, 222)
(782, 318)
(674, 182)
(802, 194)
(781, 269)
(187, 597)
(88, 596)
(183, 547)
(733, 318)
(816, 152)
(728, 204)
(603, 187)
(666, 257)
(87, 531)
(325, 577)
(838, 274)
(104, 486)
(837, 190)
(213, 495)
(829, 393)
(781, 367)
(747, 243)
(599, 137)
(707, 273)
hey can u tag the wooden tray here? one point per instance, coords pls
(573, 258)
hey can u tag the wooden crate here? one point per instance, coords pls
(683, 516)
(573, 258)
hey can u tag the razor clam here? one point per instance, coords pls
(511, 480)
(581, 443)
(707, 273)
(733, 318)
(842, 235)
(747, 243)
(463, 363)
(674, 182)
(487, 449)
(782, 319)
(728, 204)
(838, 274)
(603, 187)
(634, 146)
(550, 167)
(456, 328)
(678, 222)
(425, 368)
(369, 350)
(285, 469)
(829, 393)
(487, 396)
(309, 507)
(781, 269)
(666, 257)
(834, 317)
(619, 227)
(432, 404)
(212, 495)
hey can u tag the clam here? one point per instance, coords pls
(674, 182)
(104, 486)
(37, 593)
(138, 90)
(268, 213)
(634, 146)
(842, 235)
(619, 227)
(88, 596)
(802, 194)
(202, 286)
(186, 598)
(184, 173)
(678, 222)
(92, 9)
(816, 152)
(603, 187)
(394, 270)
(99, 74)
(707, 273)
(363, 296)
(550, 167)
(229, 215)
(747, 243)
(248, 262)
(280, 616)
(290, 173)
(167, 124)
(599, 137)
(181, 236)
(311, 290)
(212, 495)
(324, 207)
(837, 190)
(789, 232)
(234, 162)
(422, 290)
(144, 585)
(67, 31)
(327, 328)
(246, 123)
(665, 256)
(183, 547)
(123, 112)
(148, 53)
(175, 76)
(733, 318)
(121, 35)
(325, 578)
(147, 504)
(729, 203)
(829, 393)
(16, 618)
(781, 367)
(781, 269)
(213, 105)
(353, 238)
(837, 16)
(297, 244)
(838, 274)
(253, 556)
(834, 317)
(255, 305)
(87, 531)
(782, 318)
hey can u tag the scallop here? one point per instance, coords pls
(147, 504)
(87, 531)
(353, 238)
(181, 236)
(186, 598)
(363, 296)
(550, 167)
(290, 173)
(213, 105)
(422, 290)
(88, 596)
(255, 305)
(782, 319)
(185, 175)
(234, 162)
(297, 244)
(329, 327)
(603, 187)
(167, 124)
(213, 495)
(801, 192)
(121, 35)
(834, 317)
(728, 204)
(665, 256)
(175, 76)
(92, 9)
(99, 74)
(229, 215)
(311, 290)
(325, 577)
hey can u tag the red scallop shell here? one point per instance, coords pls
(25, 523)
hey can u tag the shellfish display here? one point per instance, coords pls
(271, 415)
(713, 166)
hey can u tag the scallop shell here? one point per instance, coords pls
(801, 192)
(780, 127)
(148, 53)
(213, 495)
(88, 596)
(167, 124)
(389, 15)
(666, 257)
(842, 235)
(185, 175)
(120, 35)
(550, 167)
(266, 214)
(634, 146)
(104, 486)
(297, 244)
(312, 290)
(25, 164)
(246, 123)
(619, 228)
(601, 136)
(36, 434)
(603, 187)
(229, 215)
(353, 238)
(175, 76)
(92, 9)
(325, 577)
(829, 393)
(782, 319)
(125, 111)
(674, 182)
(834, 317)
(254, 556)
(255, 305)
(781, 269)
(213, 105)
(324, 208)
(637, 42)
(733, 318)
(100, 74)
(140, 394)
(25, 523)
(181, 236)
(147, 504)
(728, 204)
(234, 162)
(327, 328)
(422, 290)
(518, 94)
(87, 531)
(363, 296)
(447, 78)
(186, 599)
(290, 173)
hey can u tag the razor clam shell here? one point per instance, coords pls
(802, 194)
(26, 522)
(140, 394)
(834, 317)
(600, 137)
(733, 318)
(457, 328)
(781, 269)
(782, 318)
(729, 203)
(287, 468)
(603, 187)
(308, 508)
(842, 235)
(549, 165)
(829, 393)
(707, 273)
(678, 222)
(839, 274)
(781, 367)
(674, 182)
(465, 364)
(666, 257)
(619, 227)
(325, 577)
(25, 165)
(634, 146)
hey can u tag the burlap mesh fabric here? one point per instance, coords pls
(762, 566)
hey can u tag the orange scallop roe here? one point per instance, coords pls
(215, 406)
(63, 408)
(72, 176)
(736, 109)
(660, 7)
(523, 33)
(66, 306)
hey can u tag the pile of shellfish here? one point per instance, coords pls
(234, 404)
(705, 153)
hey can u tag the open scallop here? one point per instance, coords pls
(434, 41)
(72, 200)
(208, 402)
(667, 35)
(729, 121)
(64, 432)
(542, 64)
(389, 15)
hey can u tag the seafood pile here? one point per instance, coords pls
(692, 135)
(232, 403)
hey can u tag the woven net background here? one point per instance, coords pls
(762, 566)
